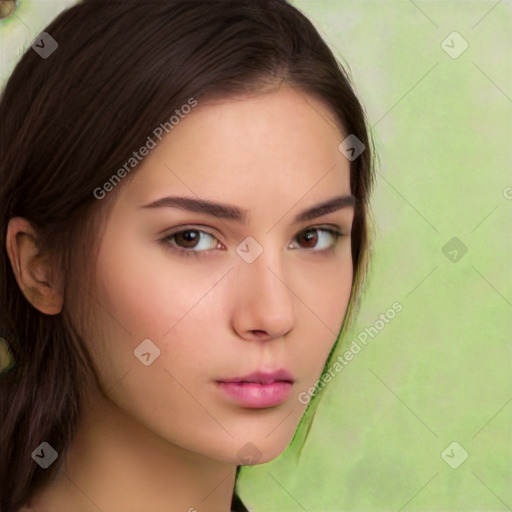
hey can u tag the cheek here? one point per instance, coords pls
(143, 293)
(141, 285)
(157, 301)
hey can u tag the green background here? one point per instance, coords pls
(440, 371)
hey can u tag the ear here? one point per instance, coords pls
(40, 282)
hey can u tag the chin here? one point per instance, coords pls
(261, 450)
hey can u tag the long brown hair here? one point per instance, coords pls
(69, 120)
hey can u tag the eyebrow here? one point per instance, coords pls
(234, 213)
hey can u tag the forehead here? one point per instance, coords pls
(278, 146)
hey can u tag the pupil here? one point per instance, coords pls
(310, 238)
(190, 237)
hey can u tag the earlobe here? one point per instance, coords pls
(34, 274)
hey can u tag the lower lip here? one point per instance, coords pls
(257, 396)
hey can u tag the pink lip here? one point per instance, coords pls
(259, 389)
(257, 396)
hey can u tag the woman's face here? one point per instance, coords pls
(190, 298)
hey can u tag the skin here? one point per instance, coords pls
(166, 438)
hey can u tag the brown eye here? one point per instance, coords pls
(188, 238)
(318, 239)
(309, 237)
(188, 242)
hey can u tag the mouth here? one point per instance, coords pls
(258, 390)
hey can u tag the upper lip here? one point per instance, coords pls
(264, 377)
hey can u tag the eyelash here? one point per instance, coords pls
(185, 252)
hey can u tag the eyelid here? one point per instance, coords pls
(190, 227)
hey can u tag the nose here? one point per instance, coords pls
(264, 300)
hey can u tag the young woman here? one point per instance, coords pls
(185, 229)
